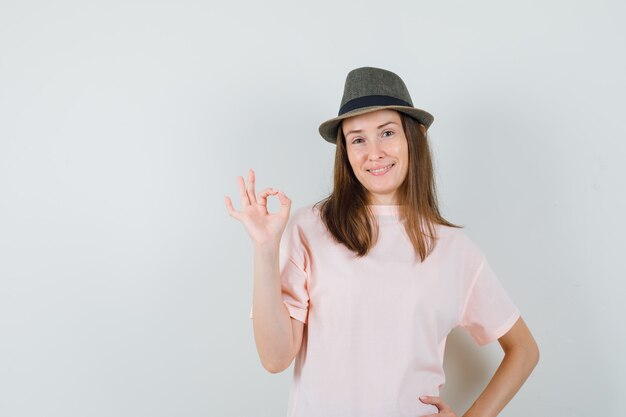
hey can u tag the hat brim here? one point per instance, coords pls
(328, 129)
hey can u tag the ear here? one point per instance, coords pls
(423, 128)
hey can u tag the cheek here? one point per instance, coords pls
(402, 151)
(354, 157)
(399, 148)
(405, 154)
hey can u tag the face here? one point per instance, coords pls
(378, 153)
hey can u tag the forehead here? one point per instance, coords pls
(371, 120)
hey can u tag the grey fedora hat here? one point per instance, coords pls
(368, 89)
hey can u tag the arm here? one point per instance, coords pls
(277, 336)
(521, 355)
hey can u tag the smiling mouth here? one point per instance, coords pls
(380, 171)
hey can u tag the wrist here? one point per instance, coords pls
(266, 248)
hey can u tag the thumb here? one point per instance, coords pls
(437, 402)
(429, 399)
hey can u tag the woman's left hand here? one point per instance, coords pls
(444, 409)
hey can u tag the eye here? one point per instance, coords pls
(355, 140)
(387, 131)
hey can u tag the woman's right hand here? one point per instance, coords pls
(264, 228)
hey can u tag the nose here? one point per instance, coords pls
(375, 150)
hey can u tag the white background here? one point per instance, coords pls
(125, 288)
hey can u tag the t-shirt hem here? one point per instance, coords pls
(297, 313)
(502, 330)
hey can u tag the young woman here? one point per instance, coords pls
(363, 287)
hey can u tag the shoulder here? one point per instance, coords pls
(457, 239)
(450, 233)
(305, 213)
(304, 226)
(305, 217)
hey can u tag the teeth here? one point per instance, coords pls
(379, 170)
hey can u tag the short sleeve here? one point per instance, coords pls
(293, 266)
(489, 311)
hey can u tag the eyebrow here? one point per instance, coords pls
(360, 130)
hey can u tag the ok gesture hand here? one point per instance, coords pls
(264, 228)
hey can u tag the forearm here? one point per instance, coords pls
(272, 323)
(513, 371)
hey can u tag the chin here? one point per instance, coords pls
(382, 191)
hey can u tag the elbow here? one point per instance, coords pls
(274, 363)
(532, 358)
(528, 353)
(277, 365)
(533, 352)
(272, 370)
(536, 355)
(276, 368)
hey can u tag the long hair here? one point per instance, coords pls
(345, 212)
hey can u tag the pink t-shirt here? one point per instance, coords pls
(376, 326)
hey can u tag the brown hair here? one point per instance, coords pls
(350, 222)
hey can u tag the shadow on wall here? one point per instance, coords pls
(468, 369)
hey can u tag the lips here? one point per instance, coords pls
(380, 170)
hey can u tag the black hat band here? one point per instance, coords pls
(374, 100)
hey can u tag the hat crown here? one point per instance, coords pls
(370, 81)
(369, 89)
